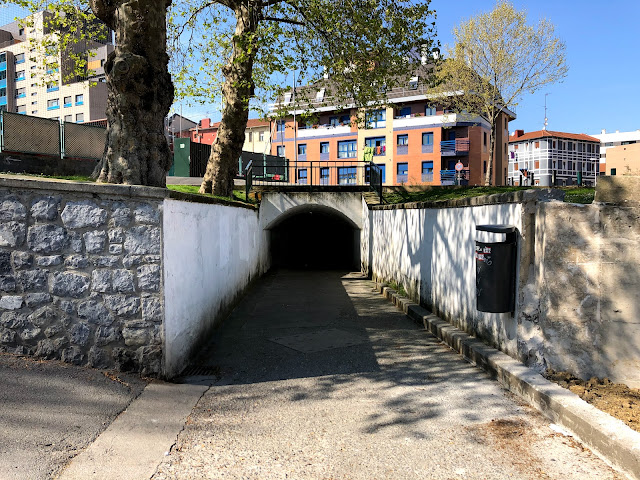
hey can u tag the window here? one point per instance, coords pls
(376, 119)
(427, 138)
(379, 145)
(402, 172)
(79, 117)
(53, 104)
(403, 139)
(484, 139)
(34, 85)
(347, 149)
(613, 171)
(251, 136)
(20, 75)
(302, 176)
(324, 147)
(102, 80)
(280, 126)
(80, 99)
(3, 75)
(68, 118)
(427, 171)
(21, 109)
(429, 110)
(52, 87)
(302, 149)
(413, 83)
(34, 102)
(20, 58)
(261, 137)
(346, 175)
(21, 92)
(67, 102)
(405, 112)
(281, 150)
(21, 31)
(537, 145)
(324, 175)
(33, 112)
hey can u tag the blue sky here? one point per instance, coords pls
(602, 89)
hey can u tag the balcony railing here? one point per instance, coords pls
(403, 149)
(459, 146)
(402, 178)
(427, 148)
(453, 177)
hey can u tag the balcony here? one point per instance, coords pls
(452, 177)
(459, 146)
(323, 131)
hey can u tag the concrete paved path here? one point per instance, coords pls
(324, 379)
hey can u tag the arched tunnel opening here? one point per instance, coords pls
(315, 238)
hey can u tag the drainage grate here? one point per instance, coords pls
(201, 370)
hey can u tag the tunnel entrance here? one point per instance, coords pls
(315, 238)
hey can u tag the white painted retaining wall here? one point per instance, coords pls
(430, 252)
(211, 253)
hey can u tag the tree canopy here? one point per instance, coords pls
(240, 51)
(497, 58)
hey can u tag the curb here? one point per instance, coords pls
(611, 438)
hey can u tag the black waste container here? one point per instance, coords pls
(496, 270)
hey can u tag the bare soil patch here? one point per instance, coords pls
(616, 399)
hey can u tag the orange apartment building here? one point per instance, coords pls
(414, 140)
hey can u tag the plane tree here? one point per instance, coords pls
(237, 51)
(244, 48)
(496, 58)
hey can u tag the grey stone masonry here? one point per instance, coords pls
(81, 273)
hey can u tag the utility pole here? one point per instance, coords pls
(546, 120)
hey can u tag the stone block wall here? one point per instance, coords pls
(81, 274)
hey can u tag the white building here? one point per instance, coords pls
(545, 158)
(34, 83)
(614, 139)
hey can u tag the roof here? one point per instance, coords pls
(548, 133)
(251, 123)
(256, 122)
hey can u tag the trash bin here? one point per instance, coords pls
(496, 270)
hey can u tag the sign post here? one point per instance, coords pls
(459, 166)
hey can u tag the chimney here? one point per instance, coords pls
(604, 131)
(519, 133)
(205, 123)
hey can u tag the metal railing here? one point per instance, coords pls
(455, 147)
(307, 175)
(453, 177)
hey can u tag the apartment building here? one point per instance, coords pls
(614, 139)
(623, 160)
(546, 158)
(32, 82)
(414, 140)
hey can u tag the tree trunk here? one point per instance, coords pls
(492, 146)
(140, 93)
(237, 89)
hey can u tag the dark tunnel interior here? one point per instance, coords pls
(315, 239)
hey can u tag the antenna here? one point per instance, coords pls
(546, 120)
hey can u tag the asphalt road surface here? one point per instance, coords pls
(51, 411)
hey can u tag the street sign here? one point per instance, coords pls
(459, 167)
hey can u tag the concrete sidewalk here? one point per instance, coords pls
(323, 378)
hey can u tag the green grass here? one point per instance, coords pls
(440, 194)
(583, 195)
(572, 194)
(238, 195)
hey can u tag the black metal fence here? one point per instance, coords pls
(278, 171)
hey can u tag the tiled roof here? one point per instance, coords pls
(548, 133)
(256, 122)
